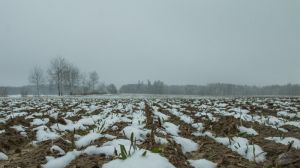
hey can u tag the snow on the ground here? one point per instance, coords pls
(198, 126)
(270, 121)
(222, 105)
(171, 128)
(48, 158)
(137, 160)
(57, 149)
(37, 121)
(286, 141)
(109, 147)
(16, 114)
(2, 121)
(206, 133)
(87, 139)
(18, 128)
(293, 123)
(286, 114)
(202, 163)
(96, 117)
(242, 146)
(70, 126)
(187, 145)
(187, 119)
(138, 118)
(160, 140)
(239, 110)
(298, 115)
(249, 131)
(43, 133)
(139, 133)
(3, 156)
(63, 161)
(161, 115)
(206, 115)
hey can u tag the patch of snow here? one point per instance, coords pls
(108, 148)
(43, 134)
(138, 118)
(109, 136)
(2, 121)
(286, 141)
(18, 128)
(198, 126)
(114, 127)
(206, 115)
(58, 149)
(298, 115)
(242, 147)
(38, 121)
(222, 105)
(171, 128)
(48, 158)
(187, 145)
(249, 131)
(293, 123)
(202, 163)
(3, 156)
(137, 160)
(161, 115)
(139, 134)
(117, 142)
(160, 140)
(203, 134)
(239, 110)
(63, 161)
(187, 119)
(286, 114)
(70, 126)
(87, 139)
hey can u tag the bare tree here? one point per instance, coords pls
(94, 79)
(36, 78)
(57, 72)
(112, 89)
(101, 89)
(71, 78)
(84, 84)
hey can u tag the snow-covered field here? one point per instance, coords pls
(149, 132)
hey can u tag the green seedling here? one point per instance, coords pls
(144, 154)
(242, 134)
(158, 149)
(115, 152)
(102, 127)
(254, 155)
(131, 142)
(123, 154)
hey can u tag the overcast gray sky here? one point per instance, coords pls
(177, 41)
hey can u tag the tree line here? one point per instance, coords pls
(158, 87)
(66, 78)
(216, 89)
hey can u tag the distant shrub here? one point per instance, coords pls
(3, 92)
(24, 92)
